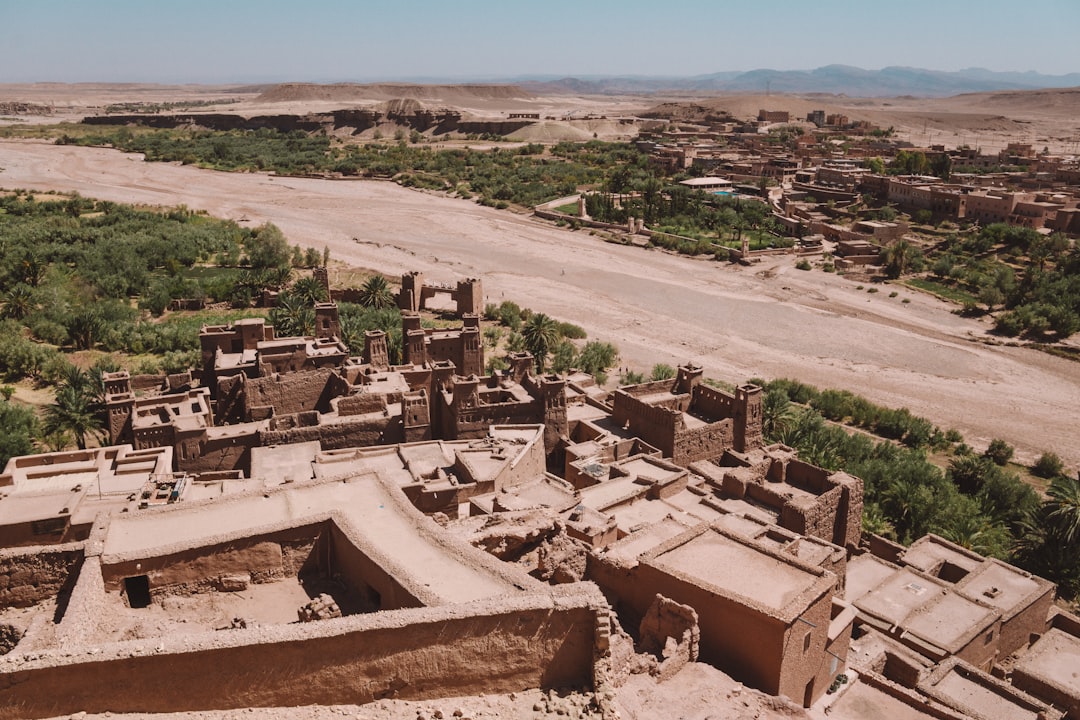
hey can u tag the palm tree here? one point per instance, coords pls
(18, 302)
(375, 293)
(293, 317)
(310, 290)
(1063, 509)
(776, 413)
(541, 334)
(74, 411)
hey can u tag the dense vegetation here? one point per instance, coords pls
(525, 175)
(95, 278)
(1033, 280)
(975, 502)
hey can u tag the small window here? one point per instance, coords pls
(989, 638)
(806, 642)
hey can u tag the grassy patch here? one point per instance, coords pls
(946, 292)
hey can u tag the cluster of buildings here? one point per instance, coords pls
(480, 533)
(824, 159)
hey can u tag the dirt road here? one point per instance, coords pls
(769, 320)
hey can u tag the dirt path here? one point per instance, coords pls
(769, 320)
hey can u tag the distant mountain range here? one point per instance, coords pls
(831, 79)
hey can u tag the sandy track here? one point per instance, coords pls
(770, 320)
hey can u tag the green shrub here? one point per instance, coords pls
(999, 451)
(1048, 465)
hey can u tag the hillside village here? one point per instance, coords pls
(303, 522)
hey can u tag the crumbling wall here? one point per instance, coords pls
(289, 393)
(27, 578)
(702, 443)
(262, 558)
(670, 631)
(356, 431)
(501, 646)
(712, 403)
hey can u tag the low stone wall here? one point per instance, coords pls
(546, 640)
(31, 576)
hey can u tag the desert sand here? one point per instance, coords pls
(768, 320)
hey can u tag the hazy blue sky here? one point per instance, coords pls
(326, 40)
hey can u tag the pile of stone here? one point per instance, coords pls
(322, 607)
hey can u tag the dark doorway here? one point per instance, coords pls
(137, 590)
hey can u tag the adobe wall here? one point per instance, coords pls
(655, 424)
(229, 396)
(356, 431)
(746, 644)
(505, 646)
(222, 453)
(22, 534)
(357, 570)
(713, 403)
(291, 393)
(266, 557)
(1060, 696)
(702, 443)
(979, 651)
(1016, 631)
(28, 577)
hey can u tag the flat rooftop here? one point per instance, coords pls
(925, 608)
(862, 701)
(737, 568)
(978, 695)
(1005, 587)
(928, 552)
(1055, 658)
(388, 523)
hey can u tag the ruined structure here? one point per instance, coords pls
(467, 295)
(337, 511)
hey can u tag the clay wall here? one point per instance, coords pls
(222, 452)
(1016, 631)
(351, 431)
(264, 558)
(29, 577)
(713, 403)
(510, 645)
(883, 548)
(702, 443)
(290, 393)
(1060, 696)
(363, 575)
(742, 641)
(982, 650)
(37, 532)
(745, 644)
(655, 424)
(229, 395)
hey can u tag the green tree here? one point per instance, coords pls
(999, 451)
(268, 248)
(293, 316)
(1048, 465)
(73, 412)
(19, 426)
(776, 412)
(376, 293)
(901, 258)
(540, 333)
(310, 290)
(661, 371)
